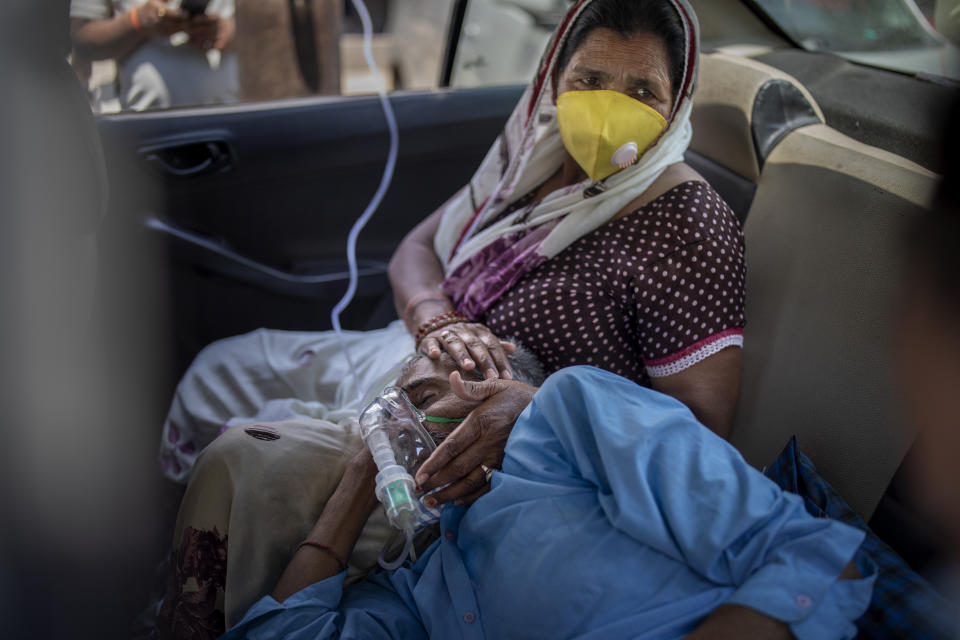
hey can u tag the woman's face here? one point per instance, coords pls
(636, 66)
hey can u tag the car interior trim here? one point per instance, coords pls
(779, 108)
(725, 106)
(823, 146)
(735, 190)
(216, 258)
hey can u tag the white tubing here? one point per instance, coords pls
(361, 222)
(407, 551)
(413, 549)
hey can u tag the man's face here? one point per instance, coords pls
(427, 384)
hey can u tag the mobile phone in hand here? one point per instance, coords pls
(194, 7)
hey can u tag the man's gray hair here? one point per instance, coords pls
(526, 367)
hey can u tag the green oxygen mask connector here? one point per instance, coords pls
(393, 431)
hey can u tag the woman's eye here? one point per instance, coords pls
(644, 94)
(590, 81)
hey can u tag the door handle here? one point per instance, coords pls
(190, 159)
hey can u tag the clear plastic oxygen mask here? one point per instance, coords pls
(393, 430)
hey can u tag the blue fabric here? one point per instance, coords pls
(616, 515)
(904, 605)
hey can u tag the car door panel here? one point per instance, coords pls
(253, 203)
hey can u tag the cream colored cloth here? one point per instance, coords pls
(286, 406)
(272, 376)
(263, 486)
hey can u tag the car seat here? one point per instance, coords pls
(822, 225)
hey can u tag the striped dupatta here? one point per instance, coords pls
(483, 256)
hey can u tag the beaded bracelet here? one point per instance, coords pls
(325, 548)
(437, 322)
(416, 300)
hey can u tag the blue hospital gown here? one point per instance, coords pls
(616, 515)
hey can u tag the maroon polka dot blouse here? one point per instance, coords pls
(647, 295)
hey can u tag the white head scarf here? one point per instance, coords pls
(484, 260)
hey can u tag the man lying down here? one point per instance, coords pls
(614, 515)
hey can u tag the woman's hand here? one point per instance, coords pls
(471, 345)
(415, 271)
(480, 439)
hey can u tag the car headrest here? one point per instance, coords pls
(57, 170)
(55, 136)
(36, 28)
(743, 108)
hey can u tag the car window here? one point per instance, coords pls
(502, 40)
(249, 50)
(895, 34)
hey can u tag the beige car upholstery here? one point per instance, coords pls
(723, 114)
(742, 109)
(822, 237)
(823, 258)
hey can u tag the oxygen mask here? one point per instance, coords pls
(393, 430)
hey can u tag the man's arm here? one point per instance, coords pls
(338, 528)
(119, 35)
(733, 622)
(308, 601)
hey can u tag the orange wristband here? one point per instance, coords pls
(135, 19)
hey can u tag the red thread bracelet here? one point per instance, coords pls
(325, 548)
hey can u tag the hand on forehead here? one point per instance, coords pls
(427, 384)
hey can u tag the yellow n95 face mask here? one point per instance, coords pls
(606, 131)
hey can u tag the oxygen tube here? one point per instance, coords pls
(388, 169)
(391, 426)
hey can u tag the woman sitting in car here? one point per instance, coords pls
(582, 233)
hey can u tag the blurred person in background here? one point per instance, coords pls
(81, 339)
(929, 349)
(288, 49)
(167, 54)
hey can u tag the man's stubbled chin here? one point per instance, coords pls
(437, 436)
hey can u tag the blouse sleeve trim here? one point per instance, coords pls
(686, 358)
